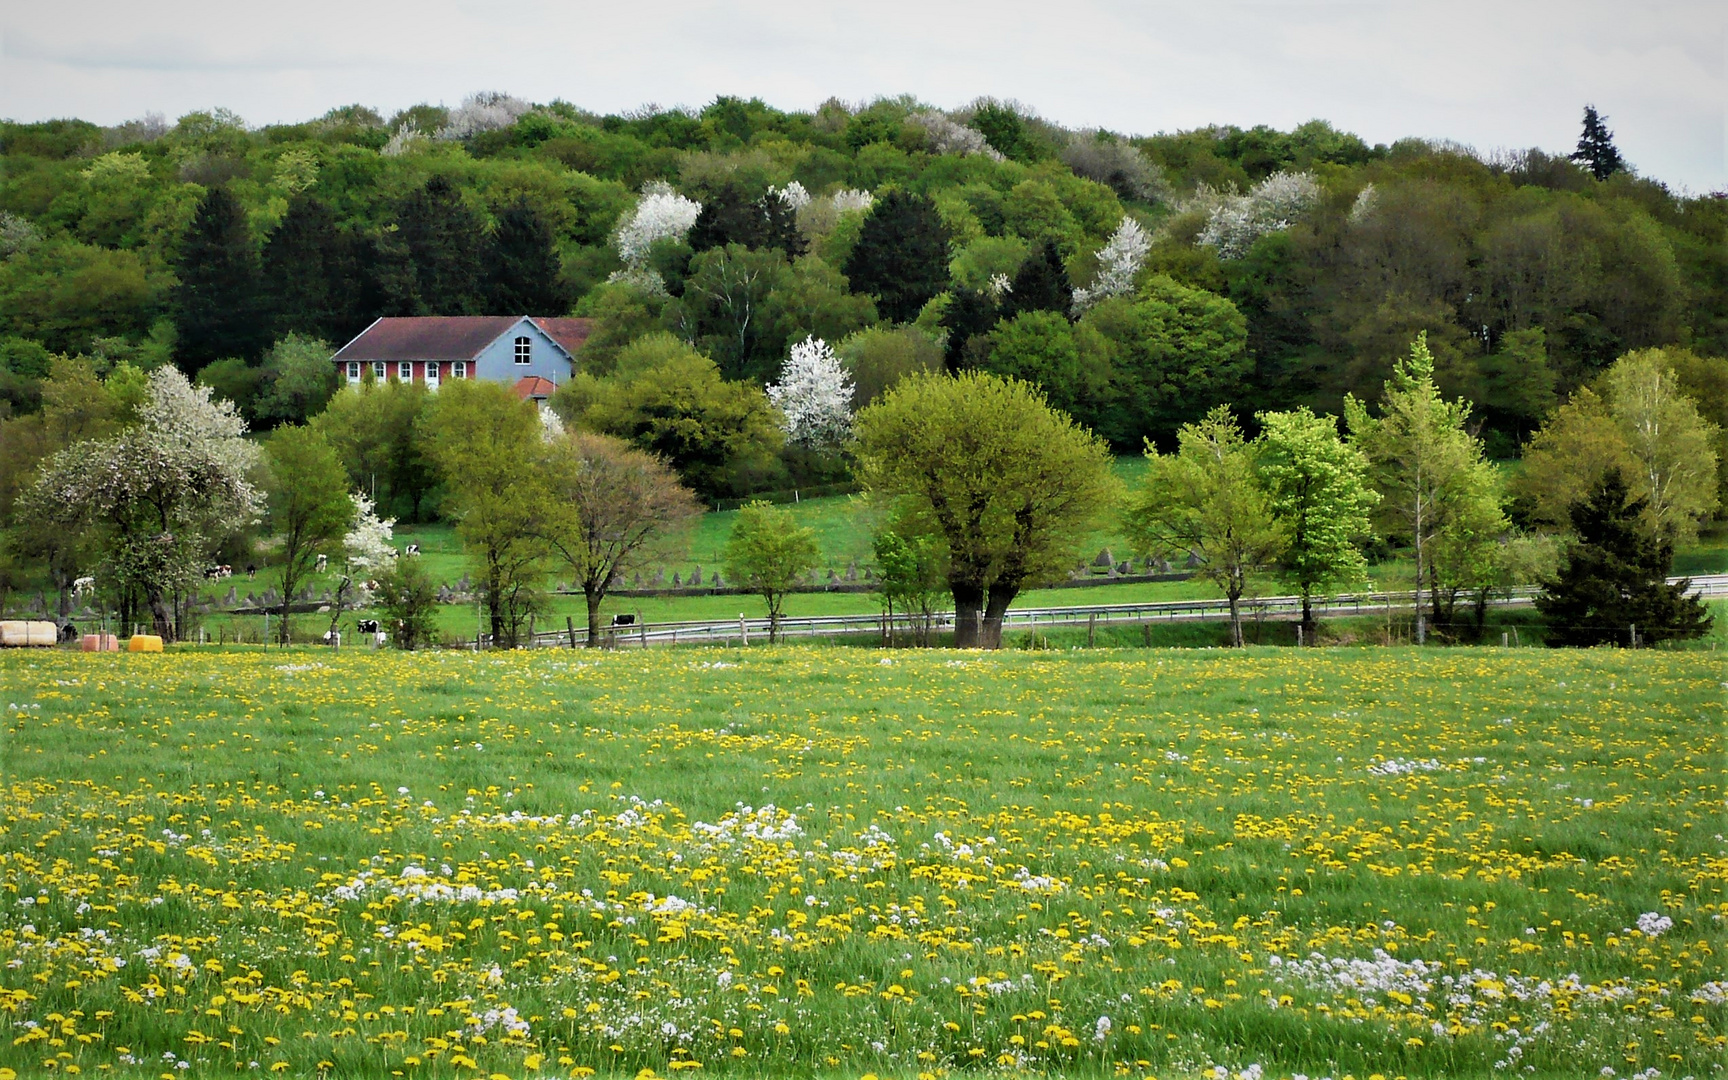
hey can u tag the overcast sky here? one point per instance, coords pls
(1507, 73)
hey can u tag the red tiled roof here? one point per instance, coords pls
(428, 337)
(451, 337)
(533, 386)
(570, 333)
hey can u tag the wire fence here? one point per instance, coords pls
(744, 630)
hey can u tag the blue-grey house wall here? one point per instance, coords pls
(498, 360)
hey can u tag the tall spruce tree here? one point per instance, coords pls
(1596, 150)
(732, 217)
(217, 301)
(901, 257)
(522, 266)
(445, 241)
(1041, 284)
(971, 313)
(303, 272)
(1614, 587)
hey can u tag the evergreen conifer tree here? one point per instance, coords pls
(1041, 284)
(1596, 150)
(1615, 578)
(303, 272)
(522, 266)
(217, 303)
(445, 241)
(971, 312)
(731, 217)
(901, 256)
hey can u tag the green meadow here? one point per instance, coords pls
(847, 862)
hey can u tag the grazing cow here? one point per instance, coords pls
(367, 626)
(251, 572)
(216, 573)
(624, 620)
(323, 562)
(83, 587)
(411, 549)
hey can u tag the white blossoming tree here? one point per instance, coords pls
(158, 497)
(949, 136)
(369, 544)
(660, 214)
(487, 110)
(1272, 205)
(794, 195)
(815, 394)
(1118, 263)
(852, 200)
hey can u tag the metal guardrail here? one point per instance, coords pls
(743, 630)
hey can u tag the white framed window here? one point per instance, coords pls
(459, 369)
(377, 369)
(524, 350)
(353, 371)
(405, 371)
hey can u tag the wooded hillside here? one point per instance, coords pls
(1139, 280)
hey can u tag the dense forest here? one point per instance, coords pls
(1138, 280)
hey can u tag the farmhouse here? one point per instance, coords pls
(531, 354)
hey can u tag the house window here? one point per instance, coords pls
(405, 371)
(459, 370)
(353, 371)
(431, 373)
(377, 369)
(524, 351)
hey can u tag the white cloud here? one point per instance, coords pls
(1486, 73)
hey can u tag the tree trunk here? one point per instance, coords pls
(968, 616)
(773, 621)
(495, 608)
(593, 596)
(288, 584)
(1235, 598)
(996, 607)
(1307, 622)
(161, 617)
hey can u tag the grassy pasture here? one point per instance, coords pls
(806, 861)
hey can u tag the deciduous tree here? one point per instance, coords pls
(1319, 493)
(160, 495)
(1422, 461)
(1206, 500)
(1010, 484)
(769, 553)
(613, 508)
(487, 445)
(307, 505)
